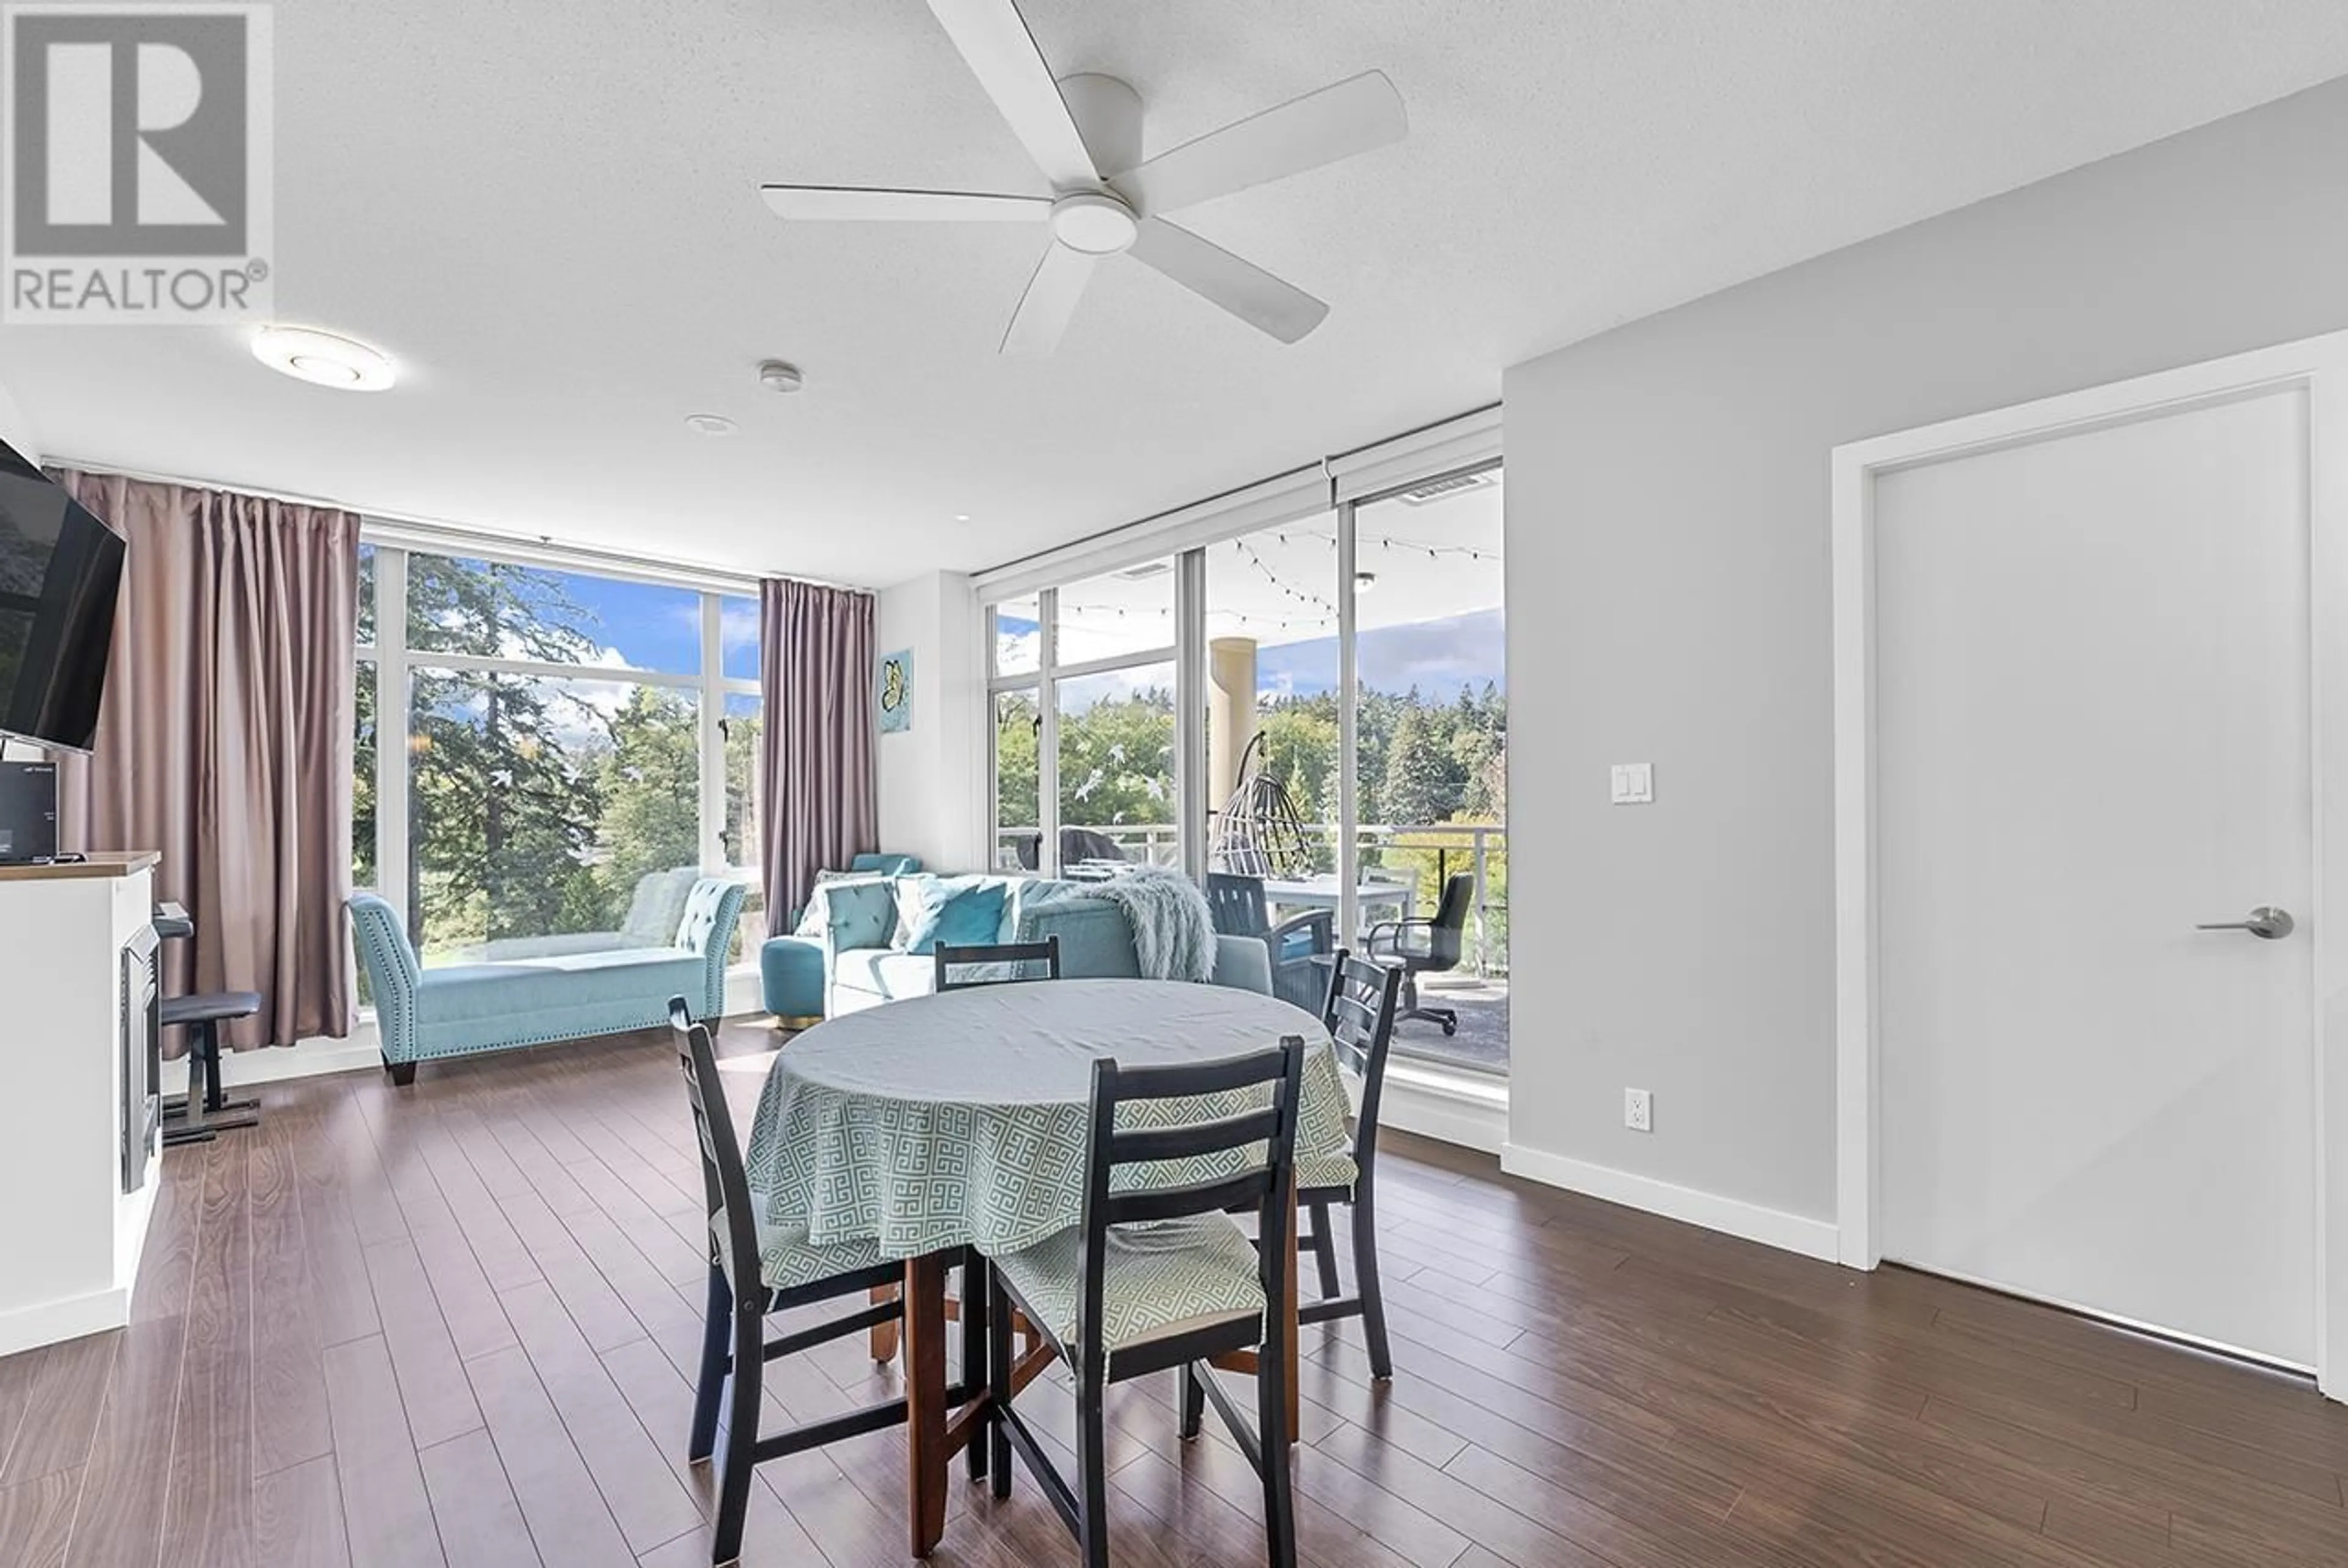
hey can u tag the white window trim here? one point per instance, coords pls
(394, 660)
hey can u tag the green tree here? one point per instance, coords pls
(1424, 781)
(503, 809)
(1116, 760)
(1017, 786)
(650, 782)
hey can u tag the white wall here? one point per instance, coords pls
(933, 775)
(1667, 562)
(16, 429)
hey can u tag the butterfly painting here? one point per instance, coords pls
(896, 692)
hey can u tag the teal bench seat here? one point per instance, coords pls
(461, 1009)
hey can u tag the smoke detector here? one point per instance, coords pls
(777, 375)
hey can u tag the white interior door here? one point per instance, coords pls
(2092, 733)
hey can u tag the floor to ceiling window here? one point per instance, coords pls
(548, 758)
(1430, 760)
(1289, 738)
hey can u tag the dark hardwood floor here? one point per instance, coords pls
(454, 1325)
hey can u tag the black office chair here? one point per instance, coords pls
(1427, 948)
(202, 1013)
(1298, 947)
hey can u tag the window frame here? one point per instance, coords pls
(394, 663)
(1045, 681)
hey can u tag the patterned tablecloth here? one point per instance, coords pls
(959, 1119)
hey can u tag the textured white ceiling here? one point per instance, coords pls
(548, 213)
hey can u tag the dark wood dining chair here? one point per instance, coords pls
(1021, 959)
(756, 1271)
(1359, 1015)
(1154, 1278)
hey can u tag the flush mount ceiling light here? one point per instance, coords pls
(323, 359)
(709, 423)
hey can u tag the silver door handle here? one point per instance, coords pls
(2266, 922)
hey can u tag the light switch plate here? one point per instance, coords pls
(1634, 784)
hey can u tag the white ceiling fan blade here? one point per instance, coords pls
(1214, 275)
(1050, 300)
(994, 39)
(857, 203)
(1354, 116)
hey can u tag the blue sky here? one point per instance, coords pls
(657, 628)
(1438, 657)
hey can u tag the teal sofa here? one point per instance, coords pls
(791, 968)
(458, 1009)
(862, 967)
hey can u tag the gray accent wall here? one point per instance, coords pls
(1668, 590)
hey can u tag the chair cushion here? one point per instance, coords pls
(1162, 1279)
(209, 1005)
(1325, 1170)
(885, 972)
(568, 980)
(786, 1259)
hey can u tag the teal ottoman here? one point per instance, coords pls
(790, 977)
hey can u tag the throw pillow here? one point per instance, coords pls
(914, 894)
(972, 917)
(957, 910)
(811, 918)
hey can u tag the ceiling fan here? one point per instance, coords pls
(1084, 134)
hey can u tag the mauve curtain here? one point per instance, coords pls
(816, 763)
(224, 741)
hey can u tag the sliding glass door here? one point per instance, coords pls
(1320, 703)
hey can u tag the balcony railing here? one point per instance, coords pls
(1421, 855)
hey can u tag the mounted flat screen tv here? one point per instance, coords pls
(59, 569)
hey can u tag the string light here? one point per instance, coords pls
(1324, 609)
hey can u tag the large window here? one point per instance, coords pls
(1082, 698)
(549, 759)
(1344, 669)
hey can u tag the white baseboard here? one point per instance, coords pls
(1470, 1112)
(307, 1060)
(1771, 1228)
(52, 1321)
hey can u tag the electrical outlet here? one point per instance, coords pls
(1638, 1111)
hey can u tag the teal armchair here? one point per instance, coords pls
(462, 1009)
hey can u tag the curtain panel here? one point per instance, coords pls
(817, 762)
(225, 741)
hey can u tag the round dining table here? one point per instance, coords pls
(959, 1119)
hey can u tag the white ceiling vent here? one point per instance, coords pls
(1448, 486)
(1144, 572)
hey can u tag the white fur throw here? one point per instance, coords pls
(1173, 931)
